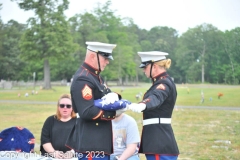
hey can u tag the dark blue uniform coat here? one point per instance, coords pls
(160, 100)
(93, 130)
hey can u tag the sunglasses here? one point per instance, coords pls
(63, 105)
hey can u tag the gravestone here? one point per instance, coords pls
(7, 85)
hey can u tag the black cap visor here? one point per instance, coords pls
(144, 64)
(106, 55)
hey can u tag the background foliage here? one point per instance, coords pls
(53, 46)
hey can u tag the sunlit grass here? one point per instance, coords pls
(26, 115)
(196, 130)
(193, 98)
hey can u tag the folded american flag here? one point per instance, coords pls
(18, 139)
(113, 106)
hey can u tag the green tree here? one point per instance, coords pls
(10, 62)
(104, 26)
(196, 50)
(47, 37)
(84, 27)
(162, 38)
(231, 49)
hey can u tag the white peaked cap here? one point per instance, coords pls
(151, 56)
(102, 47)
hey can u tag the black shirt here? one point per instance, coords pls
(56, 132)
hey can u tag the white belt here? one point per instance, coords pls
(157, 121)
(77, 115)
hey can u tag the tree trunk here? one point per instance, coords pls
(202, 73)
(203, 53)
(136, 77)
(47, 81)
(120, 81)
(126, 80)
(232, 66)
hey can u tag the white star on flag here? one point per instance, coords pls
(103, 103)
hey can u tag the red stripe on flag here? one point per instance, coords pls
(90, 156)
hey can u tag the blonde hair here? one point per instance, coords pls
(58, 115)
(164, 63)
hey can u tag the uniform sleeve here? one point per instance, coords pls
(82, 93)
(158, 95)
(46, 131)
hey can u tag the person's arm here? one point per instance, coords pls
(57, 154)
(51, 151)
(154, 100)
(128, 152)
(69, 154)
(46, 135)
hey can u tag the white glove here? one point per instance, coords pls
(120, 111)
(137, 107)
(110, 98)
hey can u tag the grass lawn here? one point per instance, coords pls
(200, 133)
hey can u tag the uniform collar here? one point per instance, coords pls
(159, 76)
(90, 68)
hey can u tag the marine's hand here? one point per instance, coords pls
(110, 98)
(120, 111)
(137, 107)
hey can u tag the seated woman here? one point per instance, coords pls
(56, 129)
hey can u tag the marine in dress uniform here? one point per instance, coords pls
(92, 133)
(158, 140)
